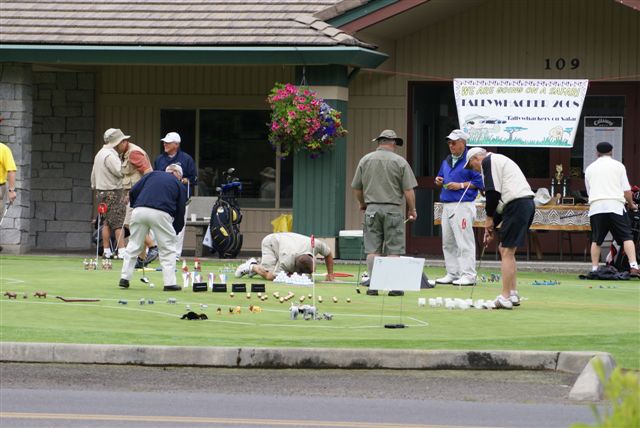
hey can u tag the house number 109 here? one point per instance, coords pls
(561, 63)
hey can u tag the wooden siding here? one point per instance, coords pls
(131, 97)
(499, 39)
(256, 223)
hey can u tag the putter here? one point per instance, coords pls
(144, 277)
(458, 204)
(5, 213)
(473, 287)
(360, 261)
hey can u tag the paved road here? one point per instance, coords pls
(69, 395)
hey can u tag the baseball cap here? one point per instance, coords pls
(471, 153)
(604, 147)
(458, 134)
(171, 137)
(389, 134)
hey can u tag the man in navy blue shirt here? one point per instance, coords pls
(459, 190)
(158, 204)
(173, 155)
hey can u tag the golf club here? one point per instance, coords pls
(360, 261)
(5, 213)
(473, 287)
(144, 277)
(460, 200)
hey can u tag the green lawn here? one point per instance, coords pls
(574, 315)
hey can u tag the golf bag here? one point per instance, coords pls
(226, 239)
(617, 257)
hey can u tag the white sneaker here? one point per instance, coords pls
(465, 280)
(245, 268)
(502, 303)
(515, 299)
(107, 254)
(447, 279)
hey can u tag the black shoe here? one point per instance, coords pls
(396, 293)
(140, 263)
(152, 255)
(172, 288)
(124, 283)
(372, 292)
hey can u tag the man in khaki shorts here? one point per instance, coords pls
(383, 183)
(287, 252)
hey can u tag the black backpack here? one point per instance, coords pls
(226, 216)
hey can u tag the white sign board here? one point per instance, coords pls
(520, 112)
(396, 273)
(598, 129)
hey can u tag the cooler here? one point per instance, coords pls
(350, 244)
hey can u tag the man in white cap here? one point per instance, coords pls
(459, 190)
(510, 201)
(383, 183)
(106, 180)
(173, 155)
(158, 201)
(608, 188)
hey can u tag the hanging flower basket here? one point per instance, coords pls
(301, 120)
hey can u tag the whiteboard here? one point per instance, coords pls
(396, 273)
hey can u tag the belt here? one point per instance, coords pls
(382, 203)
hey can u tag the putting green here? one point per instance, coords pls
(572, 315)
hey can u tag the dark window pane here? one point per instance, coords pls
(534, 162)
(184, 123)
(238, 139)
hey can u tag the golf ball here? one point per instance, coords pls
(152, 285)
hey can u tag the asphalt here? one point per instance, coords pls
(586, 388)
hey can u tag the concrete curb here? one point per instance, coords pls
(587, 387)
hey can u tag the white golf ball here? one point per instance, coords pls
(152, 285)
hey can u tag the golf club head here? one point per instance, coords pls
(144, 279)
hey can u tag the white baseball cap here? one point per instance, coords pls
(458, 134)
(471, 153)
(171, 137)
(174, 167)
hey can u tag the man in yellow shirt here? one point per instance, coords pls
(7, 175)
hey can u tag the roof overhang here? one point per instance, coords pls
(192, 55)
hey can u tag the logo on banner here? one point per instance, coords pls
(520, 112)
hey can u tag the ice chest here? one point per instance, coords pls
(350, 244)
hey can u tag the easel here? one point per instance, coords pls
(396, 273)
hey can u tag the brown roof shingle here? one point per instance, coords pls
(171, 22)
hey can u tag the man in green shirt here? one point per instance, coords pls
(383, 183)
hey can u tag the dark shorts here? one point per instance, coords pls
(516, 220)
(116, 207)
(618, 225)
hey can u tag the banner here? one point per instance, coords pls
(520, 112)
(598, 129)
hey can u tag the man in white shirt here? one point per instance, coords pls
(287, 252)
(608, 188)
(510, 201)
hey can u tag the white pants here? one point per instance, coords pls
(458, 239)
(143, 220)
(180, 241)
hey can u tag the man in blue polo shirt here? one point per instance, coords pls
(158, 204)
(459, 190)
(172, 155)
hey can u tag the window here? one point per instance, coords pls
(238, 139)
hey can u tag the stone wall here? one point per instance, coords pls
(16, 106)
(62, 158)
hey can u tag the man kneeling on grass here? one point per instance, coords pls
(288, 252)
